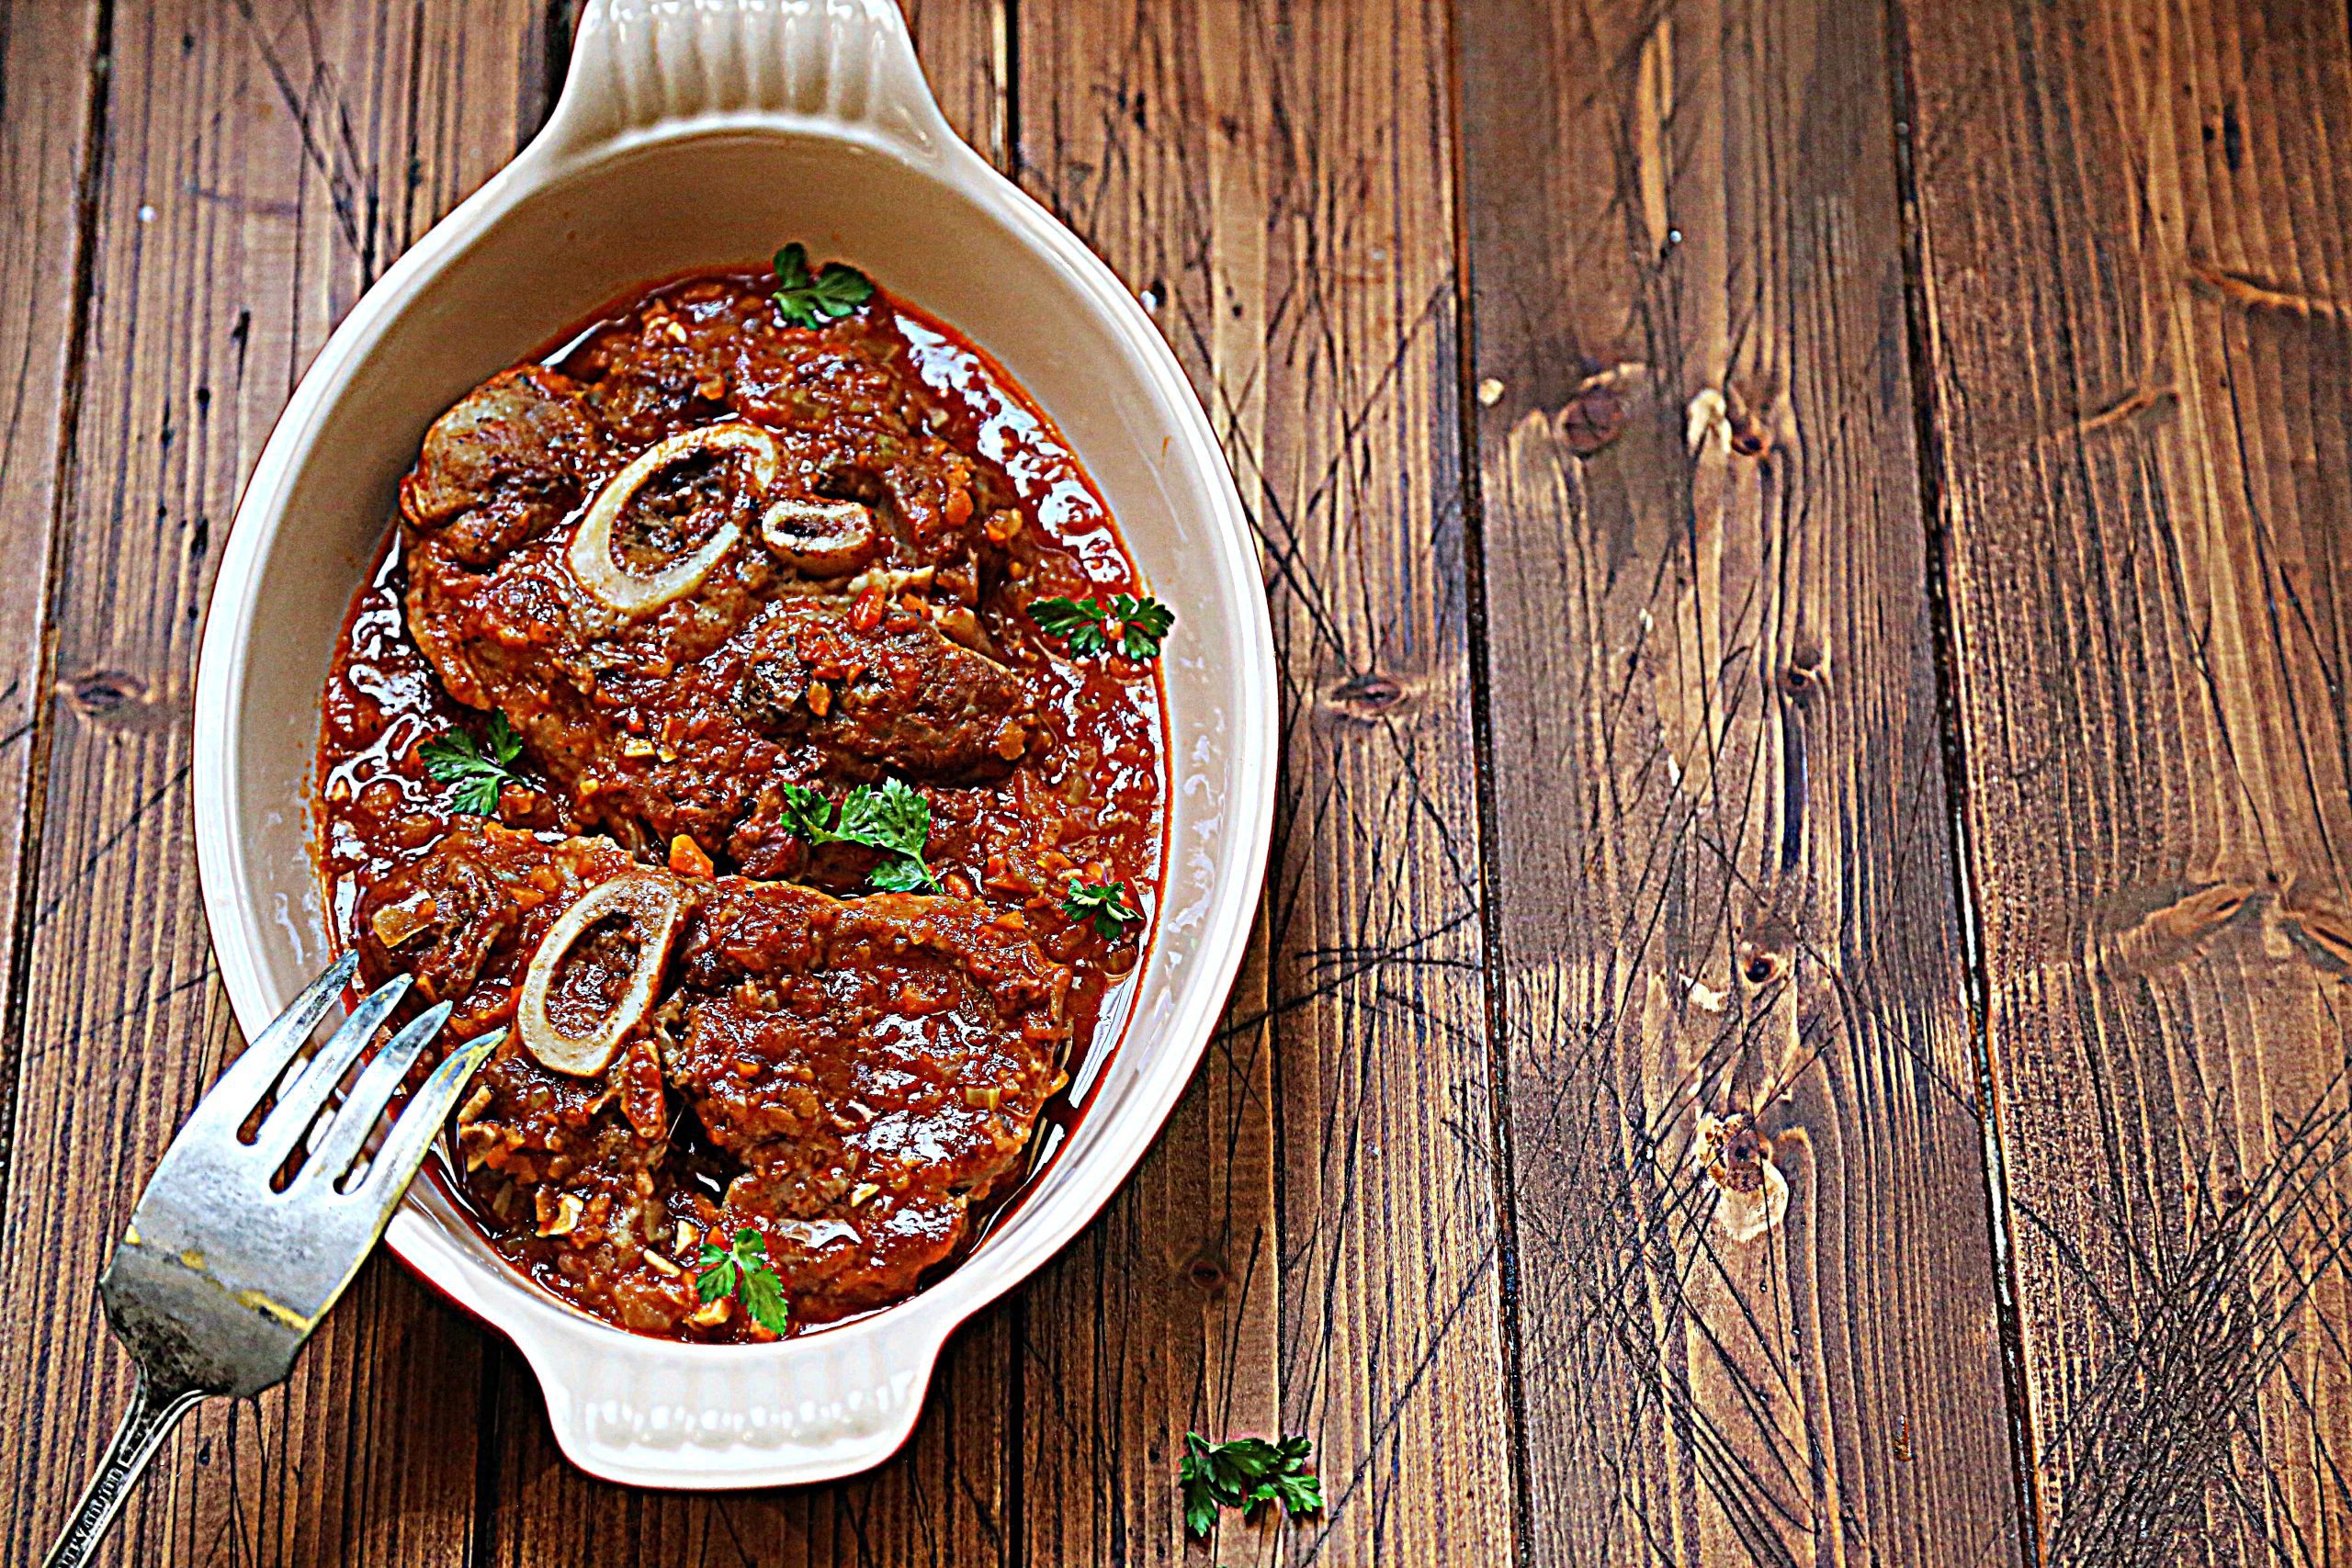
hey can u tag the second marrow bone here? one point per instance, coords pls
(820, 538)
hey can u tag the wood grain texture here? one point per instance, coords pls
(1755, 1286)
(2138, 309)
(942, 1500)
(257, 165)
(1311, 1245)
(47, 89)
(1790, 781)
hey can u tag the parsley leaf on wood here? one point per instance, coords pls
(806, 300)
(1245, 1473)
(895, 819)
(1086, 623)
(458, 758)
(1104, 903)
(742, 1271)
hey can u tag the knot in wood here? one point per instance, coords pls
(1736, 1151)
(1591, 420)
(1365, 697)
(101, 692)
(1802, 676)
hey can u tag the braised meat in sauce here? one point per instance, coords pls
(700, 729)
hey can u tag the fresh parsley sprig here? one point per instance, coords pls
(457, 757)
(808, 300)
(1087, 623)
(1143, 622)
(742, 1271)
(1245, 1473)
(1104, 903)
(895, 819)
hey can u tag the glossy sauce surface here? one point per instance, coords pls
(1085, 802)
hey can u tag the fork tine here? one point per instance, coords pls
(266, 1057)
(283, 1128)
(420, 1121)
(355, 1117)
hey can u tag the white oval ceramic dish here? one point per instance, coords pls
(696, 133)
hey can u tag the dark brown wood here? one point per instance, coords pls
(1312, 1245)
(2138, 311)
(46, 91)
(257, 165)
(1757, 1299)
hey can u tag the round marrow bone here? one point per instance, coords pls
(653, 906)
(591, 553)
(820, 538)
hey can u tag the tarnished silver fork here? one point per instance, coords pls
(220, 1277)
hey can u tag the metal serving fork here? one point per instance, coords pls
(220, 1279)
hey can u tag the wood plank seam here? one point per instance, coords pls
(1952, 749)
(1510, 1303)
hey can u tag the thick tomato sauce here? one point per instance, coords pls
(1087, 803)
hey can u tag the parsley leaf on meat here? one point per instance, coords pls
(828, 296)
(808, 813)
(1104, 903)
(1086, 623)
(458, 758)
(899, 874)
(1245, 1473)
(895, 819)
(742, 1271)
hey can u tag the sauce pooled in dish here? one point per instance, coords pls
(756, 714)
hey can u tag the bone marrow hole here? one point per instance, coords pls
(594, 976)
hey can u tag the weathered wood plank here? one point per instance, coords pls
(943, 1501)
(2138, 309)
(46, 91)
(1725, 894)
(1311, 1245)
(260, 164)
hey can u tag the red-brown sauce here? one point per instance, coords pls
(1087, 803)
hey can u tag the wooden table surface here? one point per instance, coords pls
(1811, 545)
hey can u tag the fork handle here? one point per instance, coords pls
(152, 1415)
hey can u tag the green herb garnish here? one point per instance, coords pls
(1143, 622)
(828, 296)
(895, 819)
(1245, 1473)
(457, 757)
(742, 1271)
(1079, 620)
(1087, 622)
(1104, 903)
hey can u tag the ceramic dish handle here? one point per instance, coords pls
(640, 65)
